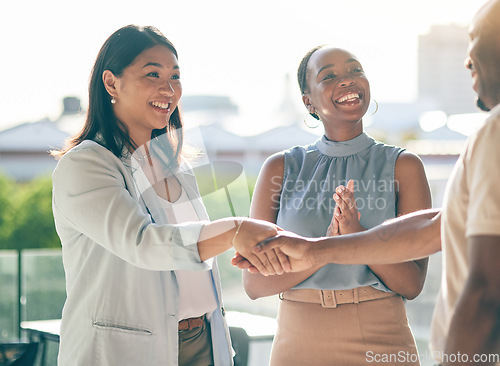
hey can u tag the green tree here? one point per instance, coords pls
(31, 224)
(6, 209)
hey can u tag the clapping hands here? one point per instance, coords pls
(345, 219)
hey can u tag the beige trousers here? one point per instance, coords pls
(373, 332)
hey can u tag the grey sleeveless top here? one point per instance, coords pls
(310, 177)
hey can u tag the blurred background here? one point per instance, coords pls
(238, 65)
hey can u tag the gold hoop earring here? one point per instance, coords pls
(376, 108)
(315, 116)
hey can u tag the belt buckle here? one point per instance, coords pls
(328, 299)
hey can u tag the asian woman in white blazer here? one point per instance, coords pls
(141, 286)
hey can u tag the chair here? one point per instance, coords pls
(241, 343)
(18, 354)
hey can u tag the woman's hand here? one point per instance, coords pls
(294, 247)
(333, 228)
(249, 233)
(345, 219)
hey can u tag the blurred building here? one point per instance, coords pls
(219, 121)
(395, 123)
(25, 149)
(444, 85)
(442, 78)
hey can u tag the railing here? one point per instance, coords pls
(32, 287)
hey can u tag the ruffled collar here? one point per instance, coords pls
(344, 148)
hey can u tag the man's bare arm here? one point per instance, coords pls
(408, 237)
(475, 326)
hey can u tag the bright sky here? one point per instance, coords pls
(242, 49)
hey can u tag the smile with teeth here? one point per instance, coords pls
(351, 97)
(160, 105)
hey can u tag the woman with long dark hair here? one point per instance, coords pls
(136, 240)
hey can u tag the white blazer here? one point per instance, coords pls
(119, 260)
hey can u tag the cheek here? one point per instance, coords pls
(177, 95)
(315, 98)
(366, 85)
(177, 87)
(368, 96)
(323, 93)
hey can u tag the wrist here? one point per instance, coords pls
(318, 251)
(237, 224)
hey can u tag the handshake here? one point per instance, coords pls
(262, 247)
(283, 252)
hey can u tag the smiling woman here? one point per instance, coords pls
(338, 90)
(339, 312)
(122, 73)
(137, 246)
(147, 94)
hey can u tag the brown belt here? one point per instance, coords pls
(332, 298)
(191, 323)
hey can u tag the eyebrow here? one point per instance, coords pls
(331, 65)
(158, 65)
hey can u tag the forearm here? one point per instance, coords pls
(475, 327)
(216, 237)
(405, 238)
(257, 285)
(406, 279)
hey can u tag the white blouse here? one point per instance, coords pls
(196, 295)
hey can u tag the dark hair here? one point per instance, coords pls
(118, 52)
(302, 73)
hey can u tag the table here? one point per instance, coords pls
(43, 331)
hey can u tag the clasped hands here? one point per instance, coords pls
(275, 251)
